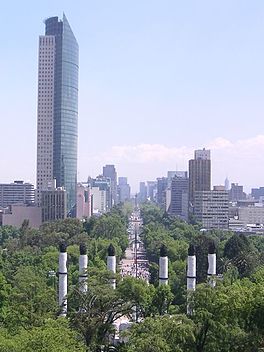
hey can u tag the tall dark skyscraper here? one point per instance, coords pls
(58, 109)
(199, 173)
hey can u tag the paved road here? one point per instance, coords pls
(135, 263)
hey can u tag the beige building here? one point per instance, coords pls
(211, 208)
(16, 214)
(251, 215)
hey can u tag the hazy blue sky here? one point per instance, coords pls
(157, 80)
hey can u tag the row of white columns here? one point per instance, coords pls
(83, 264)
(191, 266)
(191, 272)
(111, 266)
(191, 269)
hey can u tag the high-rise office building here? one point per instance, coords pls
(57, 109)
(110, 172)
(236, 192)
(142, 196)
(199, 173)
(104, 186)
(179, 196)
(171, 174)
(123, 189)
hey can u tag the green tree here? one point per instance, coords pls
(31, 300)
(7, 232)
(138, 293)
(150, 213)
(167, 333)
(111, 227)
(101, 307)
(53, 336)
(162, 299)
(242, 254)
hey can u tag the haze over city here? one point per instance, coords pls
(157, 80)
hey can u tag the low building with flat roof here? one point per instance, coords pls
(17, 192)
(16, 214)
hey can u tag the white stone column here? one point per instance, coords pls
(191, 276)
(111, 264)
(83, 264)
(211, 273)
(63, 279)
(163, 266)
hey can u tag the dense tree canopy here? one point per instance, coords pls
(227, 318)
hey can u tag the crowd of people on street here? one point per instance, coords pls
(136, 264)
(139, 270)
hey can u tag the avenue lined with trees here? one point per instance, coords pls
(229, 317)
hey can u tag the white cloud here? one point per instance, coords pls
(242, 160)
(146, 153)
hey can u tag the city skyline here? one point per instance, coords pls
(140, 89)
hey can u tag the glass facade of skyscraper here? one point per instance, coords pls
(65, 107)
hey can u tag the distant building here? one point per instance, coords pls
(84, 202)
(109, 171)
(162, 184)
(54, 204)
(202, 154)
(98, 200)
(16, 193)
(16, 214)
(251, 215)
(257, 193)
(199, 173)
(211, 208)
(104, 184)
(227, 186)
(123, 189)
(236, 193)
(151, 190)
(171, 174)
(142, 196)
(168, 200)
(179, 196)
